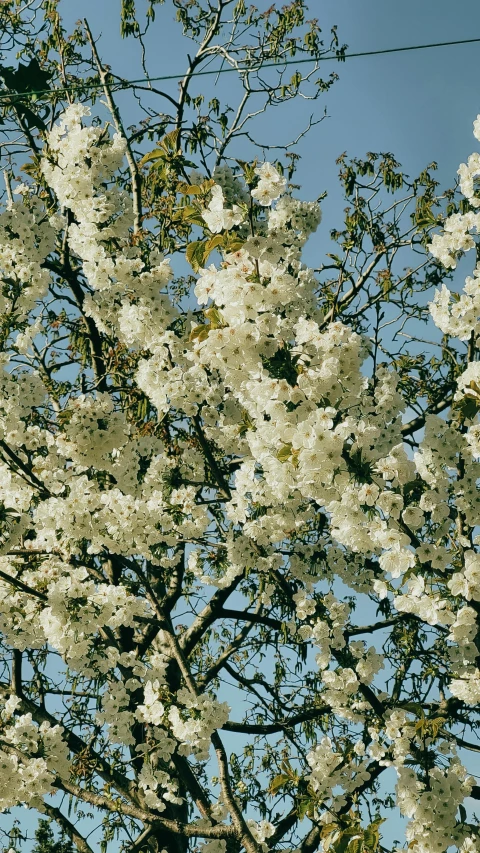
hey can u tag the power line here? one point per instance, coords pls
(128, 84)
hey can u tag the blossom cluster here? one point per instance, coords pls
(270, 470)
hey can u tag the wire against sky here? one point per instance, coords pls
(127, 84)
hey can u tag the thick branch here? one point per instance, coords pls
(273, 728)
(212, 462)
(18, 584)
(207, 617)
(55, 814)
(256, 619)
(32, 480)
(94, 335)
(419, 422)
(188, 830)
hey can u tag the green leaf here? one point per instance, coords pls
(285, 452)
(346, 838)
(305, 807)
(328, 829)
(248, 170)
(156, 154)
(287, 768)
(169, 142)
(232, 244)
(436, 724)
(246, 423)
(278, 782)
(192, 214)
(196, 254)
(422, 727)
(200, 333)
(371, 838)
(215, 318)
(371, 835)
(213, 243)
(356, 845)
(128, 23)
(188, 189)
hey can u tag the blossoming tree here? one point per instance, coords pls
(239, 570)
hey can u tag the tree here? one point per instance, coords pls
(239, 566)
(46, 842)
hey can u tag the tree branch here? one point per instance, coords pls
(132, 164)
(274, 728)
(70, 828)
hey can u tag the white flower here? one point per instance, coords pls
(218, 217)
(270, 186)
